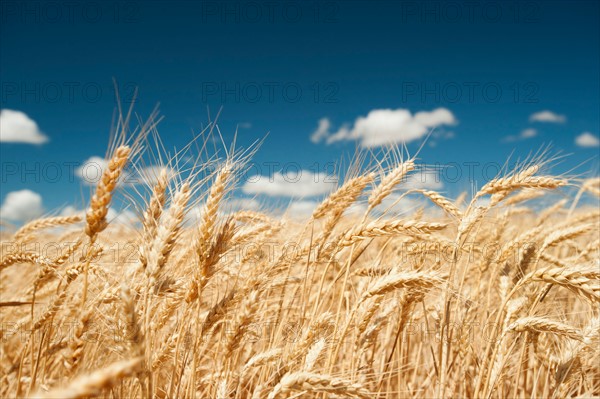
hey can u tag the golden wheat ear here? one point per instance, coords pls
(152, 215)
(96, 382)
(45, 223)
(388, 182)
(318, 383)
(100, 202)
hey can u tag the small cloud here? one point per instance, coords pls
(444, 134)
(587, 139)
(322, 130)
(70, 210)
(22, 205)
(227, 207)
(385, 126)
(482, 201)
(301, 184)
(244, 125)
(524, 135)
(124, 217)
(241, 204)
(91, 170)
(438, 134)
(397, 204)
(147, 175)
(17, 127)
(422, 180)
(547, 116)
(301, 209)
(528, 133)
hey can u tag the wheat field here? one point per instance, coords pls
(490, 295)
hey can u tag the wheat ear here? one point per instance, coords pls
(93, 384)
(168, 231)
(24, 257)
(76, 345)
(387, 184)
(409, 279)
(45, 223)
(570, 365)
(152, 216)
(500, 188)
(343, 197)
(443, 203)
(210, 211)
(311, 382)
(543, 324)
(387, 228)
(582, 280)
(133, 330)
(96, 215)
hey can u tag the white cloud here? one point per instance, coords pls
(70, 210)
(17, 127)
(301, 184)
(385, 126)
(357, 208)
(301, 209)
(524, 135)
(227, 207)
(422, 180)
(547, 116)
(147, 175)
(322, 130)
(528, 133)
(21, 206)
(398, 205)
(125, 217)
(587, 139)
(91, 170)
(242, 204)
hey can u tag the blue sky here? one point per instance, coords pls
(475, 71)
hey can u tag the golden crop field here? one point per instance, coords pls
(489, 295)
